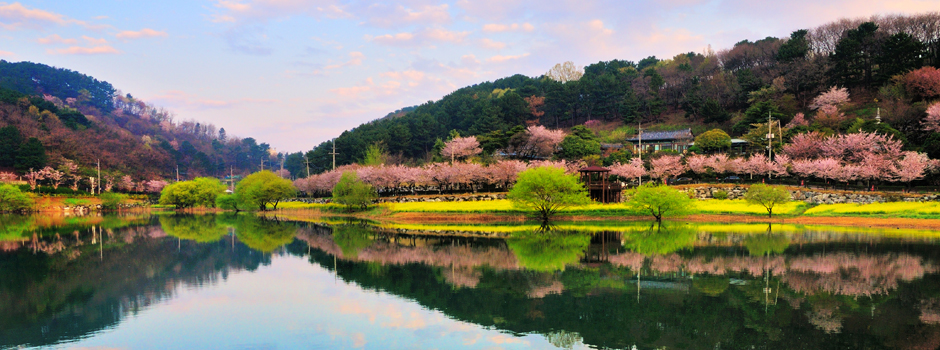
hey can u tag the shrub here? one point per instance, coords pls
(352, 192)
(111, 200)
(547, 190)
(720, 195)
(660, 201)
(12, 199)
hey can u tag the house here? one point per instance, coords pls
(651, 141)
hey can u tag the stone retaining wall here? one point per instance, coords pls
(820, 197)
(469, 197)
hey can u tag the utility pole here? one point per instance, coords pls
(770, 141)
(98, 166)
(262, 164)
(177, 173)
(639, 179)
(307, 162)
(231, 179)
(334, 154)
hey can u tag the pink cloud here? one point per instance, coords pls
(6, 54)
(93, 41)
(380, 15)
(492, 44)
(143, 33)
(495, 28)
(181, 99)
(56, 39)
(79, 50)
(500, 58)
(428, 36)
(14, 16)
(234, 11)
(355, 59)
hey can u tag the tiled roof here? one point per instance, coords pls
(684, 134)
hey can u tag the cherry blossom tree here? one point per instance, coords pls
(835, 97)
(912, 166)
(55, 177)
(697, 163)
(633, 169)
(126, 183)
(798, 120)
(666, 167)
(69, 170)
(461, 147)
(923, 83)
(542, 142)
(719, 163)
(8, 177)
(803, 146)
(155, 186)
(830, 116)
(932, 122)
(32, 178)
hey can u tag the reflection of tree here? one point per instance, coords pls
(661, 239)
(199, 228)
(711, 285)
(563, 339)
(825, 315)
(548, 251)
(46, 299)
(766, 244)
(930, 311)
(352, 238)
(263, 234)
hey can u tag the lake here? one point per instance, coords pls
(242, 282)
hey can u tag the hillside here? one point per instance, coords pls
(76, 117)
(730, 89)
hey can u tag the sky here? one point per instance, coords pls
(296, 73)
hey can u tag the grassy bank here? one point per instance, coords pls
(912, 210)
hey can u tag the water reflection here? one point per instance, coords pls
(674, 285)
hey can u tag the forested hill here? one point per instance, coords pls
(50, 115)
(729, 89)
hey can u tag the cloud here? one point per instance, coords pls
(56, 39)
(497, 28)
(492, 44)
(500, 58)
(14, 16)
(355, 59)
(242, 11)
(384, 16)
(93, 41)
(6, 54)
(250, 40)
(422, 37)
(181, 99)
(143, 33)
(79, 50)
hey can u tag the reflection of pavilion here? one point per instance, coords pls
(600, 188)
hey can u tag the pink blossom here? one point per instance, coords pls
(834, 97)
(461, 147)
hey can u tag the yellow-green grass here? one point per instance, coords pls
(620, 226)
(711, 206)
(924, 210)
(739, 206)
(302, 205)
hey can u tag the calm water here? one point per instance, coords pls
(239, 282)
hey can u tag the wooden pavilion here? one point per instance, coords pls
(600, 188)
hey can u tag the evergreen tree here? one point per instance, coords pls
(32, 155)
(10, 142)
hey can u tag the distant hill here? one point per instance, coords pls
(77, 117)
(730, 89)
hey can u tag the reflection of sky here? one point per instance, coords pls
(292, 304)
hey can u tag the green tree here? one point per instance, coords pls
(352, 192)
(579, 144)
(12, 199)
(547, 190)
(660, 239)
(713, 140)
(548, 251)
(375, 155)
(198, 228)
(795, 48)
(661, 201)
(32, 155)
(195, 193)
(10, 142)
(263, 188)
(229, 201)
(111, 200)
(767, 196)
